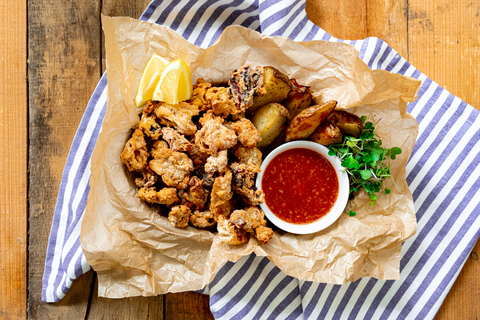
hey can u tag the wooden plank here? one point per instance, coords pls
(64, 53)
(354, 19)
(187, 306)
(128, 308)
(13, 157)
(443, 41)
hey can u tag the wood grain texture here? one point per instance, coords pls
(64, 53)
(13, 155)
(187, 306)
(138, 308)
(444, 43)
(359, 19)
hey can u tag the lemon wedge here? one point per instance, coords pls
(149, 80)
(175, 84)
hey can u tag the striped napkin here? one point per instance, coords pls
(442, 174)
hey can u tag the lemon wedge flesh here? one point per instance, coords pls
(175, 83)
(149, 80)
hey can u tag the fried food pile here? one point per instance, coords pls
(199, 160)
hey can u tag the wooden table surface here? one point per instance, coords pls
(52, 56)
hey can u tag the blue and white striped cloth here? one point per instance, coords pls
(442, 174)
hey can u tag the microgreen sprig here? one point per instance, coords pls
(365, 161)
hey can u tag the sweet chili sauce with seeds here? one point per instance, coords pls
(300, 185)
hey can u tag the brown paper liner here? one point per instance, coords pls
(135, 251)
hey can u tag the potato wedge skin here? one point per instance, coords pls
(270, 120)
(307, 121)
(327, 134)
(276, 85)
(299, 98)
(348, 123)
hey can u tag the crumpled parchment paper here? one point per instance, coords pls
(135, 251)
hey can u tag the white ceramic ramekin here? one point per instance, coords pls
(339, 205)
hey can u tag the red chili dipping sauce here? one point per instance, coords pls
(300, 185)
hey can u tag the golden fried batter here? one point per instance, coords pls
(178, 115)
(173, 167)
(217, 163)
(249, 219)
(196, 196)
(147, 179)
(214, 136)
(198, 95)
(221, 191)
(148, 123)
(263, 234)
(244, 185)
(209, 115)
(247, 134)
(135, 153)
(221, 101)
(166, 196)
(229, 233)
(224, 209)
(252, 220)
(202, 219)
(198, 156)
(179, 216)
(176, 141)
(250, 157)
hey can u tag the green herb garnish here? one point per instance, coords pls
(352, 213)
(365, 161)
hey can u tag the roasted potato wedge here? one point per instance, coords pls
(307, 121)
(276, 87)
(299, 98)
(348, 123)
(327, 134)
(270, 120)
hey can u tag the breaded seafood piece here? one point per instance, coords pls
(135, 153)
(243, 184)
(222, 190)
(178, 116)
(209, 115)
(147, 179)
(208, 179)
(176, 141)
(252, 220)
(149, 126)
(203, 219)
(166, 196)
(179, 216)
(247, 134)
(198, 156)
(173, 167)
(157, 148)
(196, 195)
(229, 233)
(224, 209)
(250, 157)
(217, 163)
(249, 219)
(214, 136)
(221, 101)
(263, 234)
(198, 96)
